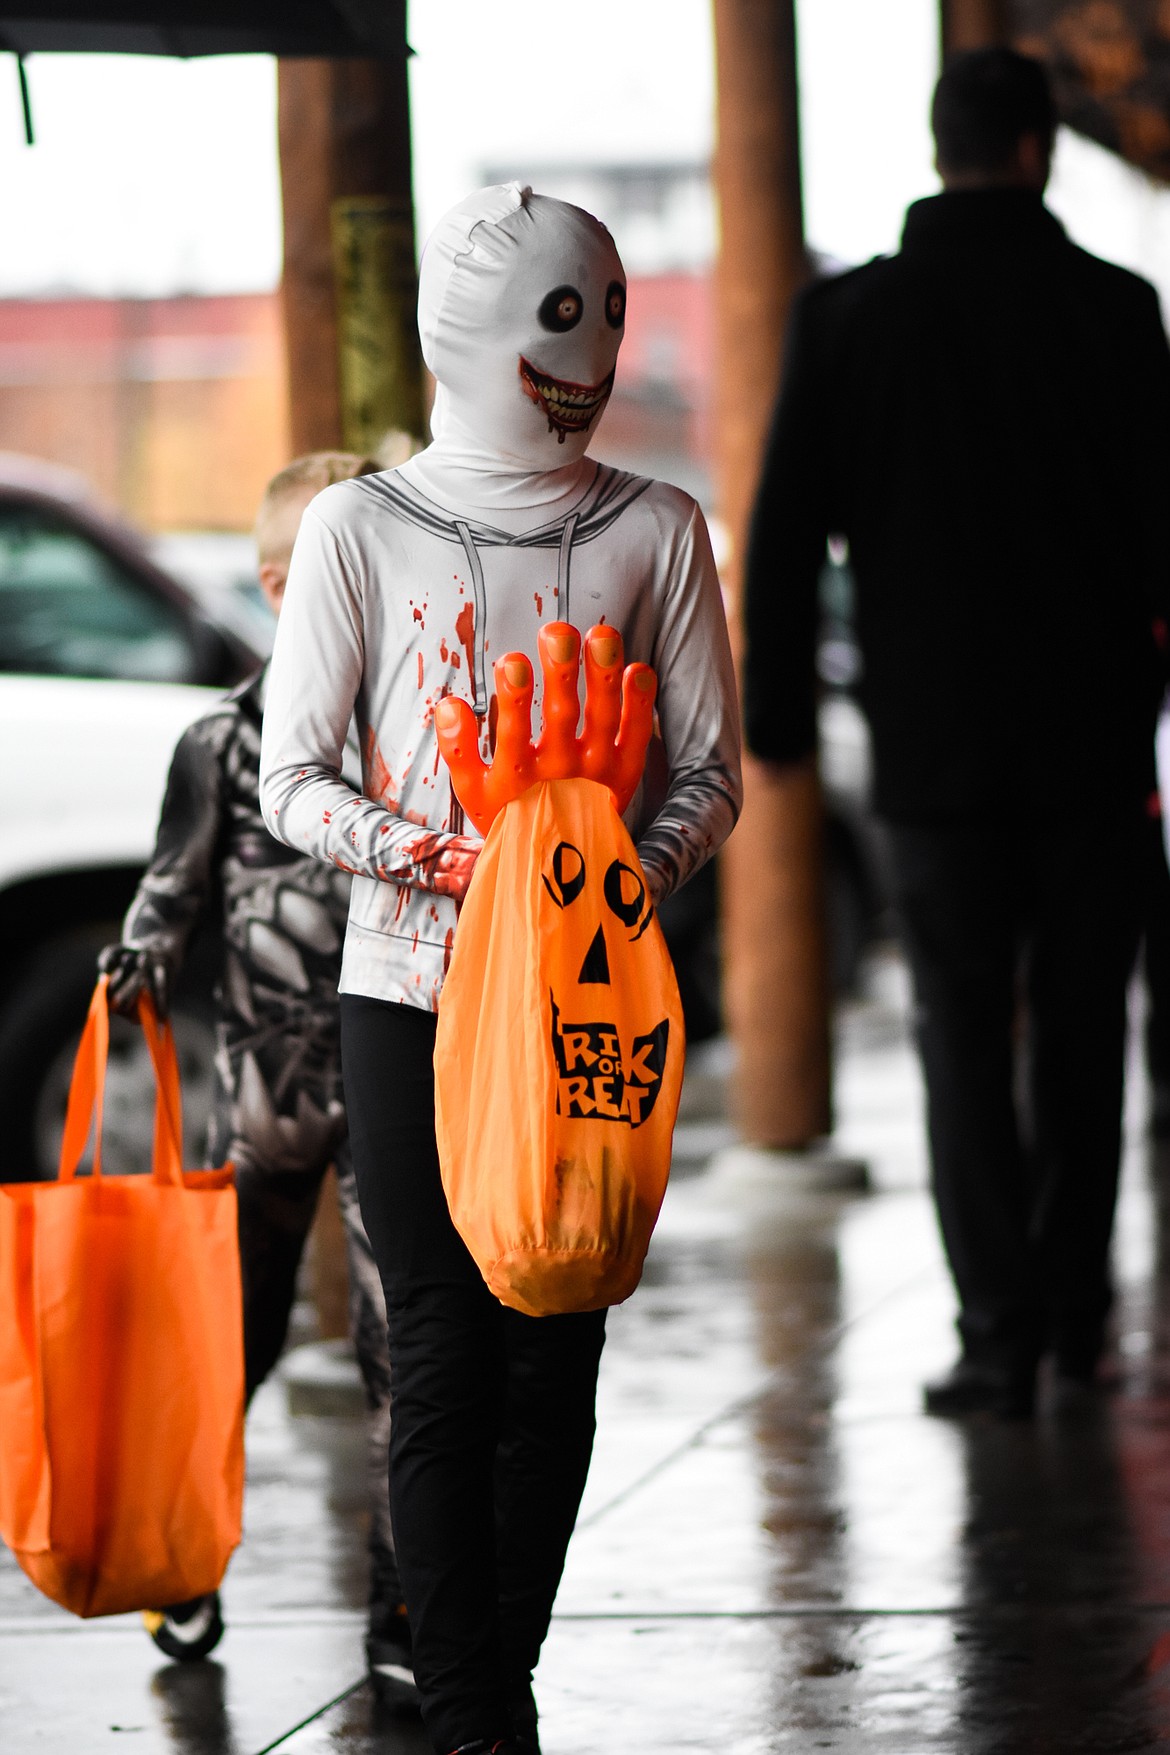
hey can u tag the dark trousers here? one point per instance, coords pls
(1157, 973)
(278, 1117)
(493, 1412)
(1021, 935)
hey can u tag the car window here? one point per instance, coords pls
(67, 608)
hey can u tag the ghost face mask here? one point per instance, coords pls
(522, 304)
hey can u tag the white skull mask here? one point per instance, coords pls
(521, 307)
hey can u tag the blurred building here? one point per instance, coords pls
(175, 410)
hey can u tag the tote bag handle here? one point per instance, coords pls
(87, 1090)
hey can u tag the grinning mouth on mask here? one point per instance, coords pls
(569, 407)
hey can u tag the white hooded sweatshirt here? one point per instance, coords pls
(406, 586)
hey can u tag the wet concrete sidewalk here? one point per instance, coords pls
(777, 1550)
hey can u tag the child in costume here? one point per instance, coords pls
(278, 1112)
(403, 588)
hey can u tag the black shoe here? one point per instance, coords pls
(388, 1657)
(186, 1631)
(975, 1387)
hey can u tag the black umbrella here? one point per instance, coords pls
(320, 28)
(325, 28)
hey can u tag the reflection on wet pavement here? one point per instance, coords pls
(777, 1550)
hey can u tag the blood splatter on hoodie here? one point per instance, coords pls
(405, 586)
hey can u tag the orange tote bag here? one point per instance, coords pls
(559, 1055)
(121, 1361)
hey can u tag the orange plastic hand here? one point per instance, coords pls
(611, 748)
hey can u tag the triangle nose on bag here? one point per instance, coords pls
(595, 968)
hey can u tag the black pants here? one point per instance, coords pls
(1157, 972)
(493, 1416)
(1021, 935)
(278, 1116)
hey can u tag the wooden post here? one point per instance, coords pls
(349, 294)
(349, 289)
(972, 24)
(775, 958)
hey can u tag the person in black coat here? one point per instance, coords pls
(985, 417)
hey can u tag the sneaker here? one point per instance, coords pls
(389, 1661)
(186, 1631)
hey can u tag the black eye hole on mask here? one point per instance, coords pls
(615, 304)
(561, 309)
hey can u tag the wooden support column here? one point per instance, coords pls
(349, 289)
(349, 294)
(972, 24)
(775, 961)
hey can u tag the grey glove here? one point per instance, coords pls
(131, 968)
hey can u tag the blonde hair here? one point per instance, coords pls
(312, 472)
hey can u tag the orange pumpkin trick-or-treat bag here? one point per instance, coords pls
(559, 1053)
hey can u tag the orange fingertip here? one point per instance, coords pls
(605, 647)
(446, 715)
(559, 643)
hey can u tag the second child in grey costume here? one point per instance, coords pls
(278, 1113)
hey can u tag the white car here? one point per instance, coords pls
(105, 658)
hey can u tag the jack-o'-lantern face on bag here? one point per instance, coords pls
(558, 1060)
(600, 1075)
